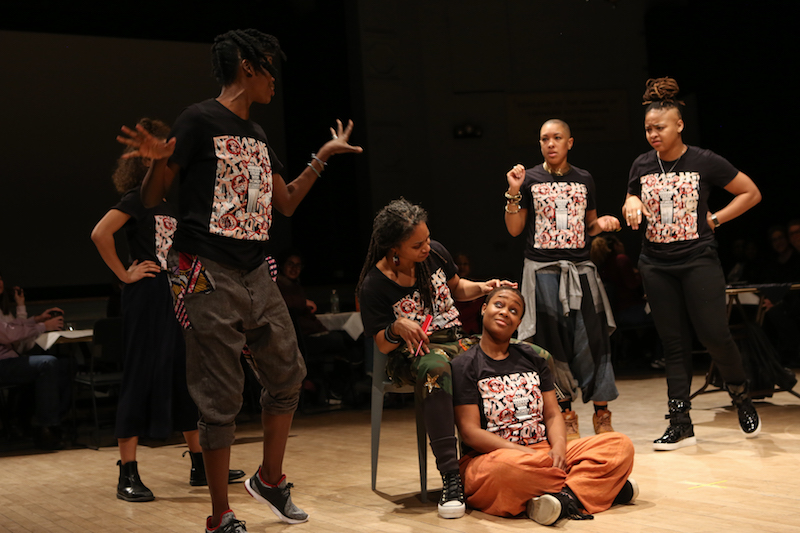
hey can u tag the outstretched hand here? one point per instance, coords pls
(145, 144)
(340, 142)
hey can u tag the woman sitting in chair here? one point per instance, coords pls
(405, 278)
(516, 454)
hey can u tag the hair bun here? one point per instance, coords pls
(661, 90)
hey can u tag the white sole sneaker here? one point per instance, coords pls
(453, 509)
(635, 487)
(665, 446)
(544, 509)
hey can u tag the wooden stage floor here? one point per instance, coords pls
(724, 483)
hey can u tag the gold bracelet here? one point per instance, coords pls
(512, 212)
(514, 197)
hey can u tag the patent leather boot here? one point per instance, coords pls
(749, 420)
(130, 487)
(680, 432)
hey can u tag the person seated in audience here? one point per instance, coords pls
(625, 292)
(12, 306)
(793, 232)
(516, 457)
(782, 318)
(316, 342)
(784, 265)
(40, 370)
(746, 268)
(470, 311)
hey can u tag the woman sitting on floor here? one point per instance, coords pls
(515, 450)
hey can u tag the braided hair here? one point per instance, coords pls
(130, 172)
(393, 225)
(230, 48)
(660, 94)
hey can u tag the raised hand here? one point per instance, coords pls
(339, 143)
(137, 271)
(19, 296)
(145, 144)
(515, 177)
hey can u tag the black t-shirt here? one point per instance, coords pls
(383, 301)
(149, 231)
(508, 393)
(557, 207)
(225, 185)
(678, 200)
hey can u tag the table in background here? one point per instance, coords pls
(350, 323)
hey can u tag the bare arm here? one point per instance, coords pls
(556, 430)
(468, 420)
(103, 238)
(746, 195)
(515, 222)
(595, 225)
(286, 197)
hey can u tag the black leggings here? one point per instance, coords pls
(693, 290)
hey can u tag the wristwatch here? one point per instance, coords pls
(715, 220)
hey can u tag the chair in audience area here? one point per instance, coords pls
(104, 370)
(380, 386)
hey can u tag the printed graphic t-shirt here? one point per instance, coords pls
(678, 200)
(383, 301)
(226, 184)
(508, 393)
(149, 231)
(557, 207)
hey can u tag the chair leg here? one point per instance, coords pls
(422, 450)
(376, 416)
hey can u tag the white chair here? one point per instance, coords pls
(380, 386)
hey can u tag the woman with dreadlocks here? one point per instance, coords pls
(680, 269)
(407, 277)
(230, 179)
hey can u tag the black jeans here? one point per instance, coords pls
(693, 290)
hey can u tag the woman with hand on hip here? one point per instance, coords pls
(668, 191)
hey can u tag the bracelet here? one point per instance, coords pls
(389, 336)
(314, 169)
(715, 220)
(514, 197)
(321, 162)
(512, 212)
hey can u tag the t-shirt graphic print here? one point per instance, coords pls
(512, 405)
(165, 230)
(242, 207)
(560, 209)
(445, 314)
(672, 199)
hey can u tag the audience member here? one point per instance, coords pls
(12, 306)
(793, 231)
(747, 264)
(40, 370)
(516, 455)
(317, 343)
(784, 265)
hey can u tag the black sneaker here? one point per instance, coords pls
(749, 420)
(550, 508)
(278, 498)
(228, 524)
(452, 503)
(676, 436)
(628, 493)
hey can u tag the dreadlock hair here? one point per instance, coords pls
(129, 173)
(660, 93)
(393, 224)
(230, 48)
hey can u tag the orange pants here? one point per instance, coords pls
(501, 482)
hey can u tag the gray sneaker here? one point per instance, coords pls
(278, 498)
(228, 524)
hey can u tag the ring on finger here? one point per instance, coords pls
(334, 136)
(638, 211)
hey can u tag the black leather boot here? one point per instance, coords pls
(749, 420)
(680, 432)
(130, 487)
(197, 476)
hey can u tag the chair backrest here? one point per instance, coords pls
(108, 336)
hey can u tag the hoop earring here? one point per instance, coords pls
(395, 260)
